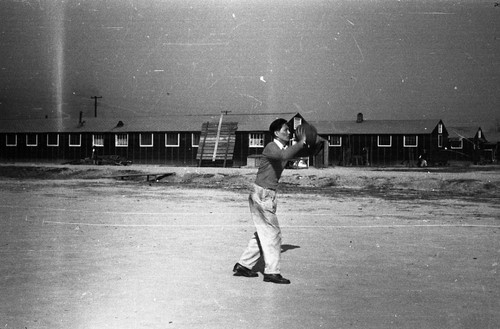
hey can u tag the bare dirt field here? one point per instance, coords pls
(89, 247)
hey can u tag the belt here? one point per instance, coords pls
(266, 188)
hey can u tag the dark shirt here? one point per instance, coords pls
(273, 163)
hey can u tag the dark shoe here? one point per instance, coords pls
(240, 270)
(275, 278)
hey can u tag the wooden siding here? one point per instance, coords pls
(185, 154)
(355, 149)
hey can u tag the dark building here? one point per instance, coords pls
(384, 142)
(174, 140)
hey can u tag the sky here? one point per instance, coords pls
(328, 60)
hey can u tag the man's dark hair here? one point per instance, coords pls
(276, 125)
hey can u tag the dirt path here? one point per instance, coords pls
(104, 253)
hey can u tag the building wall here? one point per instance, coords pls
(354, 148)
(183, 154)
(42, 152)
(364, 150)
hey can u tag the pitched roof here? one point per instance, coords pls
(191, 123)
(101, 125)
(181, 123)
(174, 123)
(34, 125)
(462, 132)
(492, 136)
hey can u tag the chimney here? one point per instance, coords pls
(360, 118)
(80, 120)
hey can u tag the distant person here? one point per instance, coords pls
(422, 159)
(266, 241)
(366, 158)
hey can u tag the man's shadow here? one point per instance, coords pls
(259, 267)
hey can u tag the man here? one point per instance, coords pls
(267, 239)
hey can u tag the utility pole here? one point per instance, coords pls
(95, 104)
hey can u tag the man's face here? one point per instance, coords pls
(283, 134)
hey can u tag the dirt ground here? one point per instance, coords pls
(87, 247)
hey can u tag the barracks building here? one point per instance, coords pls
(229, 140)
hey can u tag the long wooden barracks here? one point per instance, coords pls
(225, 140)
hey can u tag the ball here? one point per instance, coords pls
(310, 132)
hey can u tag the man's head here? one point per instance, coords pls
(279, 129)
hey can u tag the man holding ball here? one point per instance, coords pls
(263, 203)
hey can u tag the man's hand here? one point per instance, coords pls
(300, 134)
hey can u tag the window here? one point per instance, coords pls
(440, 128)
(296, 122)
(31, 140)
(457, 144)
(146, 140)
(98, 140)
(334, 140)
(75, 140)
(11, 140)
(256, 140)
(195, 140)
(440, 140)
(479, 134)
(52, 139)
(410, 141)
(121, 140)
(172, 139)
(384, 140)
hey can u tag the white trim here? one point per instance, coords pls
(32, 145)
(141, 144)
(410, 145)
(459, 147)
(172, 145)
(53, 145)
(330, 139)
(256, 140)
(192, 139)
(7, 140)
(384, 145)
(101, 138)
(296, 122)
(79, 140)
(123, 139)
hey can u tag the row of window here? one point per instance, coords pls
(121, 140)
(385, 141)
(256, 140)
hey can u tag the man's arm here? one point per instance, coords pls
(273, 151)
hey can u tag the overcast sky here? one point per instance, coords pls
(329, 60)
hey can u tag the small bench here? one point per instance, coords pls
(154, 176)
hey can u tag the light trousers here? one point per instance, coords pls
(267, 239)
